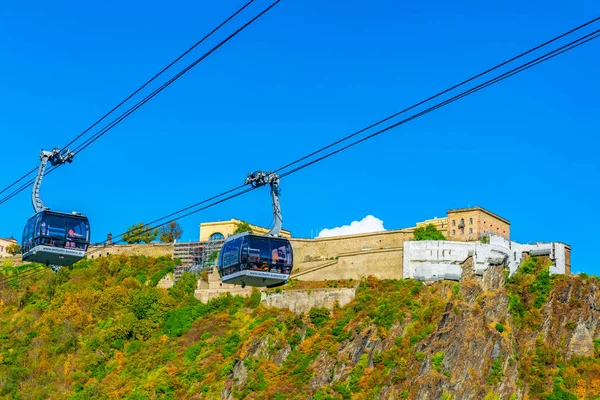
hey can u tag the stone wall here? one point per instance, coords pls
(382, 263)
(306, 250)
(149, 250)
(433, 260)
(300, 301)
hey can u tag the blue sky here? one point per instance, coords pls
(306, 74)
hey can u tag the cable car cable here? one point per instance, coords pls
(160, 73)
(18, 180)
(356, 133)
(107, 128)
(146, 84)
(441, 93)
(546, 57)
(490, 82)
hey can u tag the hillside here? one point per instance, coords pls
(100, 330)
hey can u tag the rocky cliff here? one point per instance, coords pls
(100, 331)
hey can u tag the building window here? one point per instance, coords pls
(453, 222)
(216, 236)
(442, 225)
(470, 230)
(471, 221)
(454, 231)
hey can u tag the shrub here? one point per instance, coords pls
(496, 372)
(192, 352)
(455, 289)
(500, 327)
(254, 299)
(231, 344)
(437, 359)
(185, 286)
(144, 303)
(133, 347)
(429, 232)
(319, 315)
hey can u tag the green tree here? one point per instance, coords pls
(169, 232)
(213, 257)
(428, 233)
(148, 235)
(132, 235)
(242, 227)
(13, 249)
(140, 233)
(185, 286)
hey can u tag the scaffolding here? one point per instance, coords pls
(209, 255)
(197, 256)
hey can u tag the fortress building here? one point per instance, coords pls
(469, 224)
(4, 243)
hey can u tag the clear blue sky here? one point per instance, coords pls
(306, 74)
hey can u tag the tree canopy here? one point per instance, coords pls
(13, 249)
(139, 233)
(242, 227)
(169, 232)
(428, 233)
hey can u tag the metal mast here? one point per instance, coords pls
(261, 178)
(55, 158)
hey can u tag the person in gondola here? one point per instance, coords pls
(71, 235)
(44, 233)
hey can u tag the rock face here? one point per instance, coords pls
(476, 347)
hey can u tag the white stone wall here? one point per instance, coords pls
(433, 260)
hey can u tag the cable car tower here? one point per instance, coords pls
(258, 260)
(50, 237)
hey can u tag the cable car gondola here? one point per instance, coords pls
(50, 237)
(248, 259)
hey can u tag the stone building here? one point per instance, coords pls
(471, 224)
(221, 229)
(4, 243)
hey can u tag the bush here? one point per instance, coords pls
(231, 344)
(254, 299)
(145, 303)
(133, 347)
(192, 352)
(429, 232)
(319, 315)
(496, 373)
(455, 289)
(185, 286)
(500, 327)
(437, 359)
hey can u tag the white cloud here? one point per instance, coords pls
(367, 224)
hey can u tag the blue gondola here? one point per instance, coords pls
(54, 238)
(256, 260)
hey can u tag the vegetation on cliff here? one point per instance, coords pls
(101, 330)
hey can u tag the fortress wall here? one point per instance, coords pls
(307, 250)
(149, 250)
(382, 263)
(300, 301)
